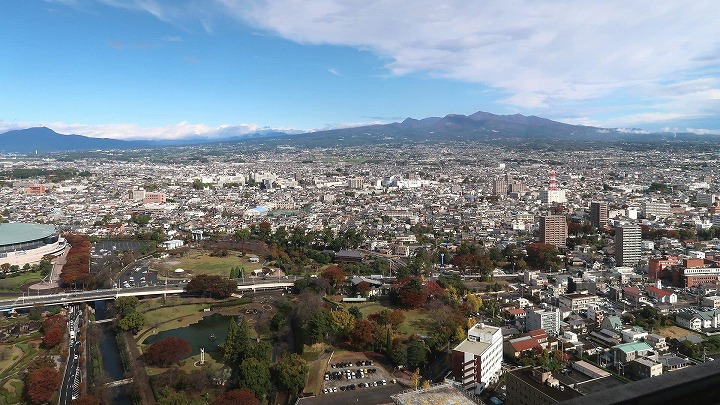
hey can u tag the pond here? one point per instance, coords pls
(209, 333)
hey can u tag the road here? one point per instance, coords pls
(70, 388)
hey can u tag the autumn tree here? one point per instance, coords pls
(395, 318)
(236, 397)
(543, 256)
(334, 275)
(408, 292)
(41, 384)
(362, 334)
(53, 330)
(167, 351)
(86, 399)
(215, 286)
(342, 322)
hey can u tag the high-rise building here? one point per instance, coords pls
(477, 361)
(356, 183)
(553, 230)
(705, 199)
(628, 245)
(598, 214)
(546, 319)
(500, 186)
(655, 209)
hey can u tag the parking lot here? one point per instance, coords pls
(352, 372)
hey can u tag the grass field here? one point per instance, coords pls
(200, 262)
(674, 332)
(9, 355)
(416, 320)
(14, 283)
(11, 392)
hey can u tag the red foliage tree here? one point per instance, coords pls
(86, 399)
(432, 290)
(53, 337)
(54, 321)
(238, 396)
(334, 275)
(362, 334)
(216, 286)
(396, 317)
(362, 287)
(77, 262)
(409, 292)
(40, 384)
(167, 351)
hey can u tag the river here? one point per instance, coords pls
(111, 357)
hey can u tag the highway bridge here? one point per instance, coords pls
(29, 301)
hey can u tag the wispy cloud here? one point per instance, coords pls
(334, 71)
(542, 55)
(172, 38)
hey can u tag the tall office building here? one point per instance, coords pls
(477, 361)
(500, 186)
(598, 214)
(628, 242)
(546, 319)
(553, 230)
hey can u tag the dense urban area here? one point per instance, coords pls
(425, 273)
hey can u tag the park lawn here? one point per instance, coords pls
(416, 320)
(14, 283)
(200, 262)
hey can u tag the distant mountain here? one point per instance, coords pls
(513, 130)
(43, 139)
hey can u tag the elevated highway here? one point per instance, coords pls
(29, 301)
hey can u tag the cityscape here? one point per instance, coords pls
(371, 202)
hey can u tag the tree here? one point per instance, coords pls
(409, 292)
(342, 322)
(318, 325)
(167, 351)
(86, 399)
(474, 302)
(236, 397)
(126, 305)
(398, 354)
(237, 343)
(40, 384)
(416, 353)
(362, 334)
(355, 311)
(169, 396)
(543, 255)
(334, 275)
(291, 372)
(134, 321)
(395, 318)
(53, 337)
(215, 286)
(255, 376)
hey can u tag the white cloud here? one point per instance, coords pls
(334, 71)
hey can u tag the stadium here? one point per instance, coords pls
(26, 243)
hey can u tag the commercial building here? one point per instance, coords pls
(554, 230)
(547, 320)
(628, 243)
(477, 361)
(654, 209)
(598, 214)
(577, 301)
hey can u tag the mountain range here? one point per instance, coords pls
(478, 127)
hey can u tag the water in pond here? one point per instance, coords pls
(209, 333)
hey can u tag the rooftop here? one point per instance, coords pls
(442, 394)
(633, 347)
(22, 232)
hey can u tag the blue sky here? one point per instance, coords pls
(176, 68)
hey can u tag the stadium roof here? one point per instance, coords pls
(20, 232)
